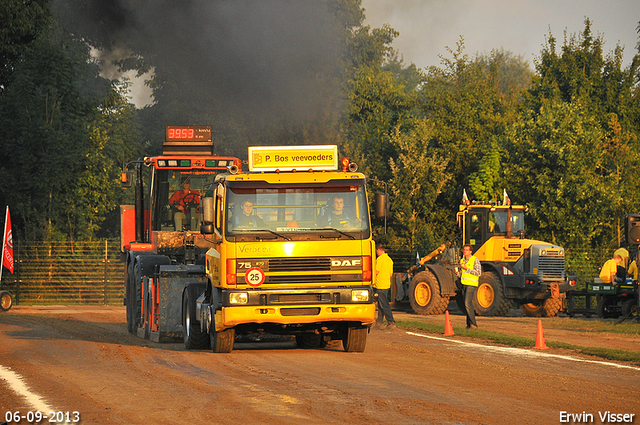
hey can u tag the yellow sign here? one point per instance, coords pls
(288, 158)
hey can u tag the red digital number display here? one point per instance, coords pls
(180, 133)
(188, 133)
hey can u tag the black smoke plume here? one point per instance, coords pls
(263, 60)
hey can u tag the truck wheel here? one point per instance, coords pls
(222, 341)
(424, 294)
(355, 339)
(547, 308)
(629, 307)
(309, 340)
(5, 300)
(490, 299)
(192, 335)
(134, 298)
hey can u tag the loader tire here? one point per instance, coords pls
(425, 296)
(194, 338)
(547, 308)
(490, 299)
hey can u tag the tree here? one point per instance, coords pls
(22, 23)
(50, 116)
(471, 107)
(577, 145)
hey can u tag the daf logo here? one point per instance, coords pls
(346, 263)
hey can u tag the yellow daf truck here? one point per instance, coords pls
(293, 253)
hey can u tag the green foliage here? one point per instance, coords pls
(22, 23)
(484, 183)
(417, 179)
(575, 150)
(57, 156)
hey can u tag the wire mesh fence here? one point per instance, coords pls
(66, 273)
(91, 272)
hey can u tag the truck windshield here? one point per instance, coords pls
(498, 219)
(177, 198)
(337, 209)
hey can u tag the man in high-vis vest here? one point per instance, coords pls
(471, 270)
(384, 270)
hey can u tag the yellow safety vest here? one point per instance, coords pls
(468, 278)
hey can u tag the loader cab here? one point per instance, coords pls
(482, 222)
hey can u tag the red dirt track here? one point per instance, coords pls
(82, 359)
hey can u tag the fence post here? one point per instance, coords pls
(106, 270)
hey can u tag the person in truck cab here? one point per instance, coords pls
(247, 218)
(337, 217)
(183, 200)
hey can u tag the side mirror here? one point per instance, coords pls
(126, 179)
(381, 205)
(208, 214)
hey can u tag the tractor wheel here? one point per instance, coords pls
(309, 340)
(355, 339)
(194, 338)
(222, 341)
(629, 307)
(424, 294)
(490, 299)
(547, 308)
(5, 300)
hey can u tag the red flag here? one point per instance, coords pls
(7, 244)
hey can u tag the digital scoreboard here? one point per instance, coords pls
(188, 140)
(188, 133)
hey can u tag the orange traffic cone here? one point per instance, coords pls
(448, 329)
(540, 344)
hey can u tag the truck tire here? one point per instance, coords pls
(547, 308)
(629, 307)
(490, 299)
(222, 341)
(134, 298)
(425, 296)
(194, 338)
(5, 301)
(355, 339)
(309, 340)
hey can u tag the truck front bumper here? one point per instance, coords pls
(229, 317)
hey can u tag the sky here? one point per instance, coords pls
(427, 27)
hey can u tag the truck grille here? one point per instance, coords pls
(300, 264)
(551, 268)
(299, 278)
(311, 311)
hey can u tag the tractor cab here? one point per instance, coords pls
(481, 222)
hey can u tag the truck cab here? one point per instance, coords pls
(293, 251)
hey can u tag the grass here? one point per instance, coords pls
(599, 325)
(520, 342)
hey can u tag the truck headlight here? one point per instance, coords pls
(360, 295)
(238, 298)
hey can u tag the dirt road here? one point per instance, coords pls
(82, 359)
